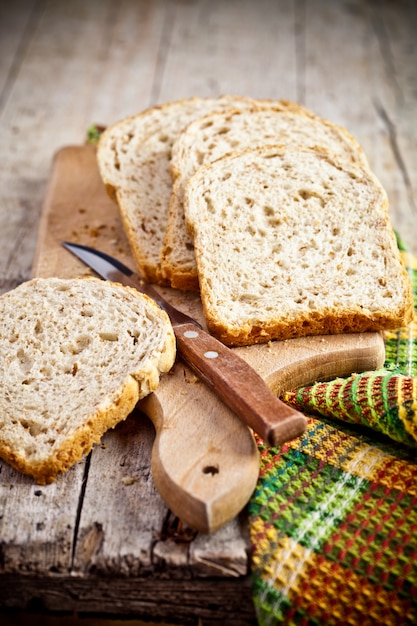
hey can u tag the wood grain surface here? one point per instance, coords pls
(65, 65)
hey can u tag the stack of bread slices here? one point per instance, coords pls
(272, 212)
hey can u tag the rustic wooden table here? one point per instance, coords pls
(74, 545)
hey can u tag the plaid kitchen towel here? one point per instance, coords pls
(333, 519)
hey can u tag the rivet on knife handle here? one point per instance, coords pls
(235, 381)
(239, 385)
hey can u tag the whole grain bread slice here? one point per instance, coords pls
(219, 133)
(292, 242)
(76, 356)
(134, 156)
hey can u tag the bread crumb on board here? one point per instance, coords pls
(129, 480)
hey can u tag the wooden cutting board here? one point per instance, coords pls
(205, 461)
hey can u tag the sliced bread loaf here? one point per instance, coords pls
(218, 133)
(292, 242)
(134, 162)
(76, 356)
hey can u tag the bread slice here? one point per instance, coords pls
(76, 355)
(216, 134)
(134, 162)
(292, 242)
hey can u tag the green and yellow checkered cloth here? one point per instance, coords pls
(333, 520)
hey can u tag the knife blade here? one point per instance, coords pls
(239, 386)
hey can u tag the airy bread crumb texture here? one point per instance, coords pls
(76, 356)
(222, 132)
(134, 157)
(292, 242)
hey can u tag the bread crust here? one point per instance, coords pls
(76, 355)
(80, 443)
(358, 322)
(318, 275)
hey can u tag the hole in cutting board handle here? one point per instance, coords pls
(211, 469)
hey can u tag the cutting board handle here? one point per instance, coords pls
(205, 461)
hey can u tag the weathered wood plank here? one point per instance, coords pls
(237, 47)
(122, 513)
(221, 557)
(128, 70)
(356, 76)
(16, 27)
(37, 523)
(186, 602)
(395, 27)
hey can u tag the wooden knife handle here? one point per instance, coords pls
(238, 385)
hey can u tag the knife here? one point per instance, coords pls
(238, 385)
